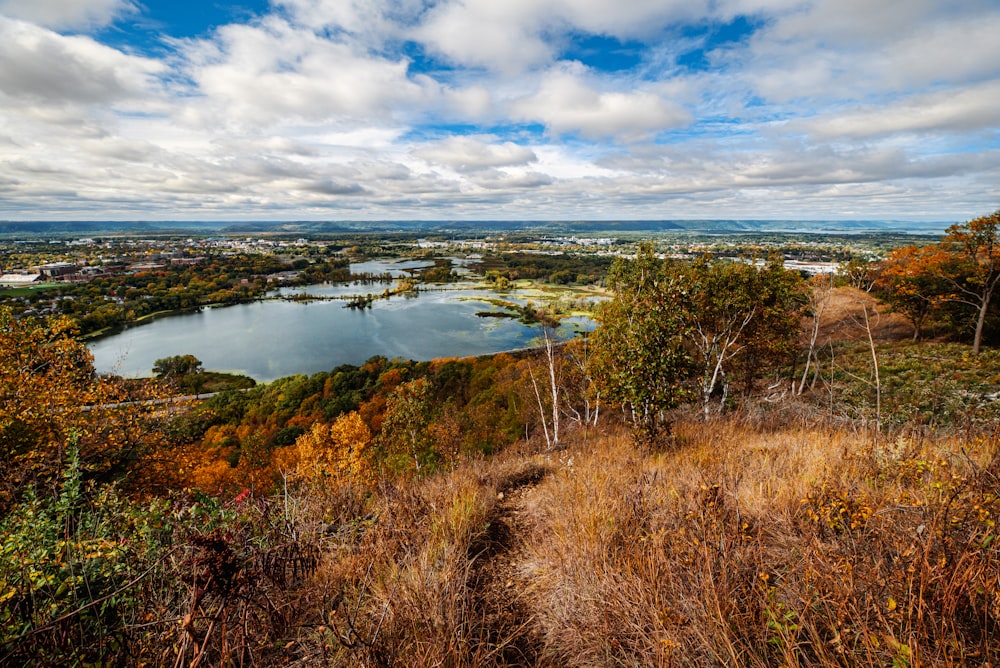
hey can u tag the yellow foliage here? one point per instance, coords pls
(51, 395)
(217, 434)
(341, 450)
(211, 476)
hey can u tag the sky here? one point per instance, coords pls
(499, 109)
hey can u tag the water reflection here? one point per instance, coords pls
(276, 338)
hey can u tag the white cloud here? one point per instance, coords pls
(854, 22)
(262, 73)
(966, 49)
(67, 14)
(38, 64)
(474, 102)
(565, 104)
(317, 111)
(856, 49)
(273, 145)
(627, 20)
(351, 15)
(498, 180)
(468, 154)
(501, 36)
(969, 109)
(517, 35)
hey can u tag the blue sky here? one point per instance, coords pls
(479, 109)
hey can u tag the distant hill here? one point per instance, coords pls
(76, 228)
(466, 227)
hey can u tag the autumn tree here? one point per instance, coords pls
(640, 359)
(975, 274)
(405, 438)
(963, 269)
(341, 450)
(44, 376)
(49, 394)
(912, 282)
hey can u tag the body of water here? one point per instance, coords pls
(272, 339)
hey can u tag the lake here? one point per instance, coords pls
(272, 339)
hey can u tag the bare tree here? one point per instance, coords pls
(541, 409)
(551, 358)
(581, 396)
(553, 383)
(819, 299)
(869, 326)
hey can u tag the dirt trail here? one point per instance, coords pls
(495, 589)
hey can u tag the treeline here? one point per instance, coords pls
(422, 416)
(563, 269)
(676, 332)
(114, 301)
(419, 417)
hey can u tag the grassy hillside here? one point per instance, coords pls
(849, 521)
(744, 546)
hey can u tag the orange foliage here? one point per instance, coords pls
(340, 450)
(212, 476)
(391, 379)
(217, 436)
(911, 281)
(373, 411)
(51, 397)
(446, 434)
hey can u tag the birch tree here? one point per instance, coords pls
(553, 368)
(739, 317)
(819, 298)
(582, 396)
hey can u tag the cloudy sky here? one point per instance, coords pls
(499, 109)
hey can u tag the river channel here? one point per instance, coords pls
(275, 338)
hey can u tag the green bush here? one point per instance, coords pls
(69, 569)
(90, 578)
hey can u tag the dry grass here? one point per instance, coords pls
(842, 318)
(799, 547)
(743, 546)
(403, 593)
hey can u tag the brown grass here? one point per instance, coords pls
(799, 547)
(404, 593)
(842, 318)
(785, 546)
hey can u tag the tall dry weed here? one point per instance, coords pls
(402, 594)
(790, 547)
